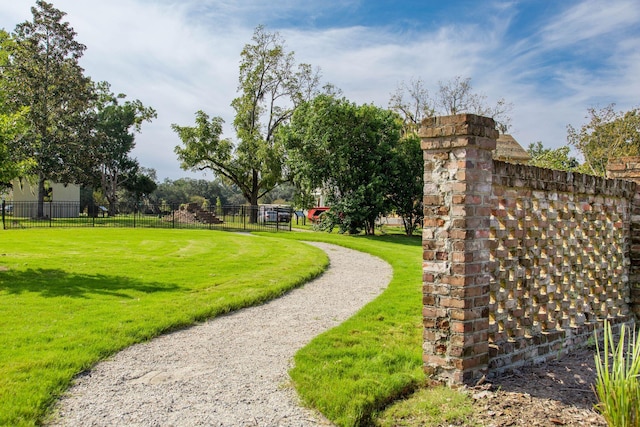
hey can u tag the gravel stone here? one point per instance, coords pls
(228, 371)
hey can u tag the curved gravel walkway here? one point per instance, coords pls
(231, 370)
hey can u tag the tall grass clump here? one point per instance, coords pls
(618, 378)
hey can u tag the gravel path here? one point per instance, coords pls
(229, 371)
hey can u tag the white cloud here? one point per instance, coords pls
(589, 21)
(179, 57)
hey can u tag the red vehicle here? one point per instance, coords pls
(314, 213)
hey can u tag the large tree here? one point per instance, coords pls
(44, 75)
(609, 134)
(14, 162)
(344, 149)
(271, 86)
(114, 138)
(413, 103)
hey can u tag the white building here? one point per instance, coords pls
(62, 202)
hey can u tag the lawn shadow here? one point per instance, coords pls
(59, 283)
(399, 239)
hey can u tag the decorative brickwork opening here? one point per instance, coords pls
(520, 264)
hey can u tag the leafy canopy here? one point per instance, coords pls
(44, 75)
(14, 161)
(557, 158)
(114, 139)
(271, 86)
(609, 134)
(344, 149)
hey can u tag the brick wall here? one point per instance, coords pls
(629, 168)
(520, 264)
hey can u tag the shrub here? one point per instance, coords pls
(618, 378)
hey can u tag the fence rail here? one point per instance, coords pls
(17, 215)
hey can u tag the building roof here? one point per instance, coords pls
(508, 150)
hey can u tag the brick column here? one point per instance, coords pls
(458, 170)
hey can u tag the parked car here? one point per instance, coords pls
(284, 215)
(8, 209)
(274, 214)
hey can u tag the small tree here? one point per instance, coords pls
(557, 158)
(608, 135)
(140, 186)
(114, 139)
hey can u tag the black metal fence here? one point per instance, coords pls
(166, 215)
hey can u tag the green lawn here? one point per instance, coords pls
(355, 370)
(70, 297)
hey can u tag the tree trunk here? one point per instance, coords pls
(253, 199)
(41, 195)
(253, 209)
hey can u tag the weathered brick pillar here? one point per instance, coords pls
(458, 170)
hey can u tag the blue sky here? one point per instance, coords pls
(551, 59)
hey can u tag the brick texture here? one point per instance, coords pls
(520, 264)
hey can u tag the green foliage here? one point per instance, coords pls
(271, 86)
(618, 381)
(14, 160)
(406, 182)
(139, 185)
(13, 164)
(200, 201)
(548, 158)
(114, 139)
(46, 77)
(71, 297)
(344, 149)
(608, 135)
(181, 190)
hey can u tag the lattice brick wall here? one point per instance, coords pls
(559, 262)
